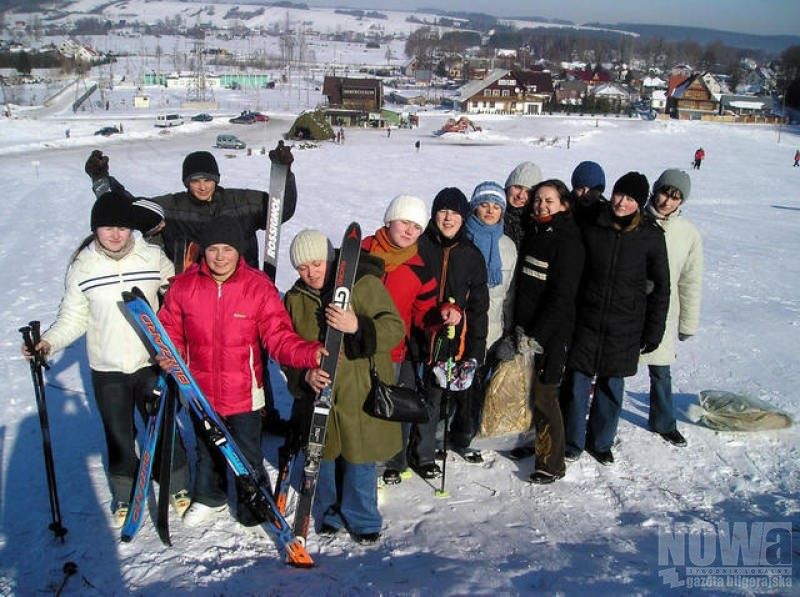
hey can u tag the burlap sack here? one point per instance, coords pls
(506, 406)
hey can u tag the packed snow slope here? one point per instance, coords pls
(596, 531)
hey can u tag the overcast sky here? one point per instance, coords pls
(749, 16)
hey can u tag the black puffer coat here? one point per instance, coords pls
(616, 314)
(460, 269)
(548, 277)
(186, 216)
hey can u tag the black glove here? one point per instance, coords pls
(281, 154)
(684, 337)
(97, 165)
(505, 349)
(648, 347)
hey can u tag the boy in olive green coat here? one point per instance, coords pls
(346, 489)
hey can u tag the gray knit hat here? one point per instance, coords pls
(310, 245)
(674, 178)
(526, 174)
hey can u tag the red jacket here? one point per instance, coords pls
(699, 154)
(217, 329)
(413, 290)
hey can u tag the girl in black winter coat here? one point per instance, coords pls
(622, 310)
(550, 267)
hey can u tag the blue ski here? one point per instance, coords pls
(254, 488)
(141, 489)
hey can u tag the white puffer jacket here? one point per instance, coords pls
(92, 304)
(685, 254)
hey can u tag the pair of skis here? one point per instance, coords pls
(253, 488)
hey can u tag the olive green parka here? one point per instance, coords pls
(352, 434)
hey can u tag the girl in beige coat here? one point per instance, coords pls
(685, 254)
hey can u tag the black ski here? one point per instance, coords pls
(165, 450)
(342, 287)
(280, 158)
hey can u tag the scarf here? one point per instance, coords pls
(513, 224)
(115, 255)
(487, 239)
(392, 255)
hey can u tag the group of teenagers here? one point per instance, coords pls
(591, 286)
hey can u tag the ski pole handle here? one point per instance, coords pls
(32, 336)
(451, 329)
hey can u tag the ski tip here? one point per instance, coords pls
(126, 538)
(442, 493)
(297, 556)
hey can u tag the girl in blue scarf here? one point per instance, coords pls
(485, 229)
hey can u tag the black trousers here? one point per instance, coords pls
(116, 395)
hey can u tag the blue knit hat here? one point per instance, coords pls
(488, 192)
(589, 174)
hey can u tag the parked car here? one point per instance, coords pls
(259, 116)
(107, 131)
(243, 118)
(169, 120)
(226, 141)
(202, 117)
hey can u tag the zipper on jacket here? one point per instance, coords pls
(612, 276)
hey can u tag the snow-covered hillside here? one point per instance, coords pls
(597, 531)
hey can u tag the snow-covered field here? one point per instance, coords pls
(597, 531)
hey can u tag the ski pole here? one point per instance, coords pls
(31, 336)
(451, 334)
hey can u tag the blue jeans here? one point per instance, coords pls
(347, 496)
(662, 412)
(599, 433)
(211, 474)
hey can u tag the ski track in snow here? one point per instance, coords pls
(596, 529)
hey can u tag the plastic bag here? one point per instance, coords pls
(506, 406)
(726, 411)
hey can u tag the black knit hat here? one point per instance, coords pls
(223, 230)
(200, 163)
(633, 184)
(113, 209)
(453, 199)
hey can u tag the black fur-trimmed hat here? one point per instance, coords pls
(113, 209)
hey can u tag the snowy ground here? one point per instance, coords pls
(595, 531)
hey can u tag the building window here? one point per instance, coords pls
(491, 104)
(506, 93)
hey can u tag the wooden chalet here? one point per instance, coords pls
(362, 95)
(691, 99)
(505, 91)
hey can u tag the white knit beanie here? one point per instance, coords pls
(407, 207)
(526, 174)
(310, 245)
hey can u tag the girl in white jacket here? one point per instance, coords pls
(114, 259)
(685, 254)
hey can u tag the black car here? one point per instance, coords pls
(203, 117)
(107, 131)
